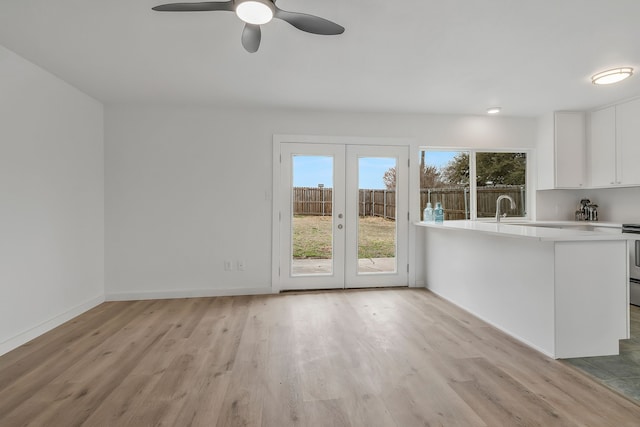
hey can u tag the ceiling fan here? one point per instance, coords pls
(255, 13)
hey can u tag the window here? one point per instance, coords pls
(497, 174)
(445, 177)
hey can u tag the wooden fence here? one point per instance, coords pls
(312, 201)
(456, 201)
(319, 201)
(382, 203)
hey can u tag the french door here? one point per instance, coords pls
(343, 218)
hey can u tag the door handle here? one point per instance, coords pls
(339, 226)
(339, 215)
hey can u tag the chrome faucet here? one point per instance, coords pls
(500, 198)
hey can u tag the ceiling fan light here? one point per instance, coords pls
(255, 12)
(494, 110)
(612, 76)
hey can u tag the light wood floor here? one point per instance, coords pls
(348, 358)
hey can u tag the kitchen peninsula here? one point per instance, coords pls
(563, 292)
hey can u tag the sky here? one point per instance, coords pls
(439, 159)
(309, 171)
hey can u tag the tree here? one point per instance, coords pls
(501, 168)
(389, 178)
(456, 172)
(429, 177)
(491, 169)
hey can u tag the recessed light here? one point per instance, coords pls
(493, 110)
(612, 76)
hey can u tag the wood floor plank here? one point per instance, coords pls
(501, 400)
(283, 402)
(160, 393)
(564, 389)
(418, 401)
(385, 357)
(327, 413)
(35, 353)
(368, 410)
(35, 372)
(85, 384)
(243, 403)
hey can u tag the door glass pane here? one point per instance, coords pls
(501, 174)
(444, 178)
(377, 215)
(312, 221)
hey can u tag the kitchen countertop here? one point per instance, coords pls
(534, 230)
(566, 223)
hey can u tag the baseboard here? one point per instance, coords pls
(419, 284)
(185, 293)
(48, 325)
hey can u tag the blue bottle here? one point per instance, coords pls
(439, 212)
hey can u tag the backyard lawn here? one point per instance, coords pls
(312, 237)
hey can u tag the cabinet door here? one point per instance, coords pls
(628, 142)
(602, 158)
(569, 149)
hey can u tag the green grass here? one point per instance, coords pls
(312, 237)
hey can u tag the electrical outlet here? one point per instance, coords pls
(228, 265)
(241, 265)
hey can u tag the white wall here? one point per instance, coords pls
(187, 188)
(51, 201)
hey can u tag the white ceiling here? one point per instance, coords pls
(447, 56)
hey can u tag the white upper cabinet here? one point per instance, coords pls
(570, 152)
(614, 148)
(602, 152)
(561, 151)
(628, 142)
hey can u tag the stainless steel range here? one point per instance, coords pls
(634, 263)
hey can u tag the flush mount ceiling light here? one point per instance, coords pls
(255, 12)
(612, 76)
(493, 110)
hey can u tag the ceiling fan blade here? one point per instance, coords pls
(251, 36)
(195, 7)
(309, 23)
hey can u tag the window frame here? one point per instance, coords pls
(473, 201)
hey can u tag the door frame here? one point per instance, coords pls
(278, 193)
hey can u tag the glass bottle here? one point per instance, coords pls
(428, 213)
(439, 212)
